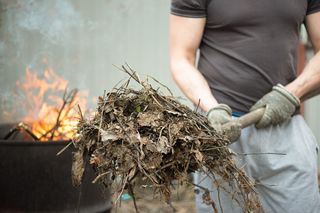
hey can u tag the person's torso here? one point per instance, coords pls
(248, 46)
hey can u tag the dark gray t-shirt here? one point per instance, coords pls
(248, 45)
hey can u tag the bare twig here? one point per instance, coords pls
(68, 99)
(64, 149)
(130, 190)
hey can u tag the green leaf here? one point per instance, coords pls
(138, 109)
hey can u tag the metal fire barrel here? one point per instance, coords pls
(34, 179)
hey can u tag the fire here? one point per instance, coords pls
(52, 110)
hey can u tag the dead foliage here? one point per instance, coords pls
(142, 133)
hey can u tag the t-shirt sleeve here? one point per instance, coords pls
(313, 6)
(189, 8)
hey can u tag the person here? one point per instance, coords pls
(248, 60)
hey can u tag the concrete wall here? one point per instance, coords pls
(312, 110)
(312, 115)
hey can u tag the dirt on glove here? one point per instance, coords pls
(141, 134)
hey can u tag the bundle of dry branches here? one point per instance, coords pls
(141, 133)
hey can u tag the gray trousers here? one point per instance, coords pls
(287, 183)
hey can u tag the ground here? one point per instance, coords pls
(183, 201)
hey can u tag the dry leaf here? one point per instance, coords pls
(176, 127)
(163, 146)
(199, 155)
(149, 118)
(108, 135)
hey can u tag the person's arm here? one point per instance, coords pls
(185, 37)
(307, 84)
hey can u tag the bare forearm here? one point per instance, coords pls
(185, 38)
(307, 84)
(193, 84)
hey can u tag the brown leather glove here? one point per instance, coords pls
(280, 104)
(221, 114)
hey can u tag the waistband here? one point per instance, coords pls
(238, 114)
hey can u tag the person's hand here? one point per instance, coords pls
(221, 114)
(280, 104)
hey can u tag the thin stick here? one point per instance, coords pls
(130, 190)
(218, 190)
(101, 117)
(196, 110)
(100, 176)
(161, 84)
(64, 148)
(80, 112)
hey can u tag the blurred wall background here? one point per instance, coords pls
(81, 40)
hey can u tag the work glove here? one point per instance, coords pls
(221, 114)
(280, 104)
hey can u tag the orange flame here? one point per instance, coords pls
(51, 110)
